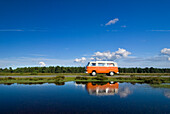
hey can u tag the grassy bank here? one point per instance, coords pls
(160, 85)
(82, 74)
(150, 80)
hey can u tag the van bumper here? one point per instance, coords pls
(86, 72)
(117, 72)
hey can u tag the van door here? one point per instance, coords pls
(110, 67)
(101, 68)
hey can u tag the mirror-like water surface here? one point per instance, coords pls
(72, 97)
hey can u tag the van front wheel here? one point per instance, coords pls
(111, 73)
(93, 73)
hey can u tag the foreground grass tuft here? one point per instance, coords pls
(81, 78)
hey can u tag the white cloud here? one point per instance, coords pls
(166, 51)
(121, 53)
(42, 64)
(81, 60)
(112, 21)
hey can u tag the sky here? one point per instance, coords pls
(134, 33)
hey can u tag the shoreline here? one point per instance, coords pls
(151, 80)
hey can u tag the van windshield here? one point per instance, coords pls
(110, 64)
(88, 64)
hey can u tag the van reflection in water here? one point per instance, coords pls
(101, 89)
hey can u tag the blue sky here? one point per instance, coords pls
(58, 31)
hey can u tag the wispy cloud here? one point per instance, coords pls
(112, 30)
(34, 61)
(11, 30)
(160, 30)
(113, 21)
(123, 26)
(37, 55)
(81, 60)
(21, 30)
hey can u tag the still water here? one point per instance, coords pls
(74, 97)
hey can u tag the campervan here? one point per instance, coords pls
(108, 67)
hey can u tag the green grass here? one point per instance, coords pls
(160, 85)
(61, 78)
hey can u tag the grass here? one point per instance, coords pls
(83, 74)
(61, 78)
(160, 85)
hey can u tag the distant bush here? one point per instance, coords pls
(81, 78)
(34, 79)
(34, 73)
(59, 78)
(153, 80)
(10, 78)
(132, 75)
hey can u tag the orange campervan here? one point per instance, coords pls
(108, 67)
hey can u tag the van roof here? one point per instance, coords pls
(103, 61)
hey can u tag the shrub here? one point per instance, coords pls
(59, 78)
(10, 78)
(34, 73)
(153, 80)
(34, 79)
(132, 75)
(81, 78)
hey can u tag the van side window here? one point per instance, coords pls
(110, 64)
(93, 64)
(101, 64)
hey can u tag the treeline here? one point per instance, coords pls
(50, 69)
(59, 69)
(144, 70)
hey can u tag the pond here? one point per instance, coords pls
(77, 97)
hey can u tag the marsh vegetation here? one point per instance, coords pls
(60, 79)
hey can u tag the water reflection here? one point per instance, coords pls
(102, 89)
(124, 92)
(83, 97)
(167, 93)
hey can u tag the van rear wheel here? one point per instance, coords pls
(93, 73)
(111, 73)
